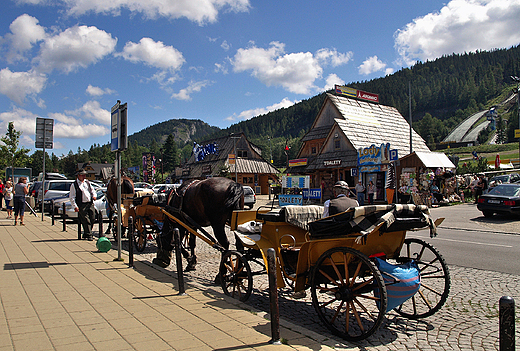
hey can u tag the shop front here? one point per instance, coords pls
(373, 166)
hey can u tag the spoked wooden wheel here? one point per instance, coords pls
(140, 234)
(235, 275)
(348, 293)
(435, 279)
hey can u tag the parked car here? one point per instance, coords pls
(505, 178)
(143, 185)
(99, 204)
(34, 188)
(502, 199)
(164, 189)
(249, 197)
(53, 189)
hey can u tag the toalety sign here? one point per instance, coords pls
(285, 200)
(351, 92)
(374, 155)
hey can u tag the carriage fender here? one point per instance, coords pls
(264, 245)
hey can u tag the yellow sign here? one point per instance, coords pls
(517, 133)
(231, 159)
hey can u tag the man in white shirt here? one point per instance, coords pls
(82, 198)
(341, 203)
(360, 192)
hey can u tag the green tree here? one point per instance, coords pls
(11, 155)
(170, 154)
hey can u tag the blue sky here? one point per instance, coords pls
(221, 61)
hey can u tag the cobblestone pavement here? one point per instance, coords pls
(468, 320)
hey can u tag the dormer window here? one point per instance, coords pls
(337, 144)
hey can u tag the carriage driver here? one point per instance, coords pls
(82, 197)
(341, 202)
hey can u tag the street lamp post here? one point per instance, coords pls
(517, 80)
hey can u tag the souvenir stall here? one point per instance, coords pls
(424, 178)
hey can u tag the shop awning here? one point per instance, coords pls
(435, 160)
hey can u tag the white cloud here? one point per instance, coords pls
(65, 119)
(25, 32)
(221, 67)
(84, 131)
(460, 26)
(247, 114)
(199, 11)
(371, 65)
(17, 85)
(153, 53)
(389, 71)
(24, 121)
(193, 87)
(296, 72)
(333, 57)
(97, 91)
(332, 80)
(92, 110)
(78, 46)
(225, 45)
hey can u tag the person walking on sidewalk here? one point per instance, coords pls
(1, 194)
(360, 192)
(8, 197)
(371, 192)
(20, 190)
(82, 198)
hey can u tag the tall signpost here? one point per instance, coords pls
(517, 131)
(119, 143)
(43, 140)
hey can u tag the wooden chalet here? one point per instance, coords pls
(248, 167)
(97, 171)
(346, 127)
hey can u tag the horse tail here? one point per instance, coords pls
(235, 197)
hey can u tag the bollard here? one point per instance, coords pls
(506, 313)
(52, 212)
(79, 228)
(130, 241)
(178, 258)
(100, 223)
(273, 298)
(63, 219)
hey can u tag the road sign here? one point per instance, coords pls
(44, 133)
(394, 155)
(354, 172)
(119, 139)
(517, 133)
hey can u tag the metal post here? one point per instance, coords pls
(178, 260)
(79, 228)
(100, 224)
(52, 212)
(130, 242)
(119, 218)
(64, 218)
(273, 297)
(43, 171)
(506, 323)
(410, 108)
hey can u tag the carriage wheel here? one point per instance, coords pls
(435, 279)
(140, 234)
(348, 293)
(235, 275)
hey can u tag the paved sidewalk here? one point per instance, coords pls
(59, 293)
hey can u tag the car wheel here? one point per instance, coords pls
(487, 214)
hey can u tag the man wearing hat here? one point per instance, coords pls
(341, 202)
(82, 197)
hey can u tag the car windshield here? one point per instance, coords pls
(100, 194)
(248, 191)
(502, 179)
(505, 190)
(59, 186)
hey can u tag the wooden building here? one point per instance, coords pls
(346, 128)
(211, 159)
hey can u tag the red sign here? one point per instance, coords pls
(497, 161)
(298, 162)
(367, 96)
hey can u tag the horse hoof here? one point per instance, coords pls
(190, 268)
(160, 263)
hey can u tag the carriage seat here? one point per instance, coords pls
(299, 216)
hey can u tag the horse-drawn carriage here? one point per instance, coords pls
(358, 264)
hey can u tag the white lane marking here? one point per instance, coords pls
(468, 242)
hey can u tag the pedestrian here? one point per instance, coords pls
(360, 193)
(1, 194)
(371, 192)
(341, 202)
(8, 198)
(481, 187)
(82, 197)
(20, 190)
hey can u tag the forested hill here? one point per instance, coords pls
(183, 131)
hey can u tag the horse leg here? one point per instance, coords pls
(164, 247)
(192, 259)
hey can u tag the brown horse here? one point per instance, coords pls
(127, 188)
(208, 202)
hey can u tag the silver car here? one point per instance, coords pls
(249, 197)
(99, 204)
